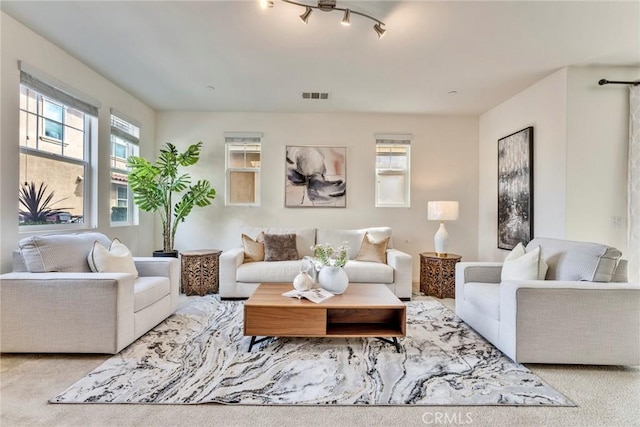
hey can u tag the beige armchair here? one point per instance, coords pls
(584, 312)
(66, 308)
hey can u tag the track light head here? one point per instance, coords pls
(347, 15)
(305, 15)
(266, 4)
(379, 30)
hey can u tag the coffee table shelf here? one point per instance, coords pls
(364, 310)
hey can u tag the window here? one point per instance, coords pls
(243, 154)
(393, 170)
(58, 129)
(125, 138)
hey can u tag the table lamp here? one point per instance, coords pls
(442, 211)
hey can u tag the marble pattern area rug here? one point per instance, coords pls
(199, 355)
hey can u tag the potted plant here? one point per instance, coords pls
(157, 187)
(38, 204)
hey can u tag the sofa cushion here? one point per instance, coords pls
(148, 290)
(570, 260)
(521, 265)
(305, 237)
(373, 250)
(368, 272)
(353, 238)
(280, 247)
(116, 259)
(253, 249)
(60, 252)
(257, 272)
(485, 297)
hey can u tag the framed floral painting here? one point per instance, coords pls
(315, 177)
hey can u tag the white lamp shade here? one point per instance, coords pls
(442, 211)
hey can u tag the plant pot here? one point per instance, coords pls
(333, 279)
(162, 254)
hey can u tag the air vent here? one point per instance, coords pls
(315, 95)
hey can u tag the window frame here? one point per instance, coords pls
(120, 136)
(245, 140)
(88, 168)
(394, 141)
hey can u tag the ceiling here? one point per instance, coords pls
(167, 53)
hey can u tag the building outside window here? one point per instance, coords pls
(125, 139)
(393, 177)
(243, 159)
(57, 133)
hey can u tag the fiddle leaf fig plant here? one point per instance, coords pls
(161, 188)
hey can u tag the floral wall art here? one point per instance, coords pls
(315, 177)
(515, 189)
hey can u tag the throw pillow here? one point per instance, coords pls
(521, 265)
(253, 249)
(116, 259)
(280, 247)
(373, 250)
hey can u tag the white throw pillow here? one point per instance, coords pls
(116, 259)
(521, 265)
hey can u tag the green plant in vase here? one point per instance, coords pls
(161, 188)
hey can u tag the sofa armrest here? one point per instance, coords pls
(163, 267)
(66, 312)
(482, 272)
(478, 272)
(230, 260)
(572, 318)
(403, 272)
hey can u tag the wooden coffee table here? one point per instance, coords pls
(364, 310)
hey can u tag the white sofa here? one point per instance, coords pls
(584, 312)
(60, 306)
(239, 279)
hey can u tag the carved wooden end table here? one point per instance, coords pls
(438, 274)
(199, 275)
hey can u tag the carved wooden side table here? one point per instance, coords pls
(200, 271)
(438, 274)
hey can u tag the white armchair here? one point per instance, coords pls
(567, 318)
(81, 311)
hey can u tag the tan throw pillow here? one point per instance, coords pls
(373, 250)
(280, 247)
(116, 259)
(253, 249)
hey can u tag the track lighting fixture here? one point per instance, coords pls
(305, 15)
(345, 20)
(330, 6)
(379, 30)
(266, 4)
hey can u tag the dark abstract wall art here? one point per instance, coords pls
(515, 189)
(315, 177)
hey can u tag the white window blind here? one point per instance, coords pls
(243, 164)
(393, 179)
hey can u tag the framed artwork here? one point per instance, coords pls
(315, 177)
(515, 189)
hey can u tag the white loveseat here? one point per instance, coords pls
(239, 279)
(53, 303)
(584, 312)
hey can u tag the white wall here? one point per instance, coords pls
(581, 133)
(444, 165)
(598, 144)
(544, 107)
(20, 43)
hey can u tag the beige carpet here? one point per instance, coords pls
(606, 396)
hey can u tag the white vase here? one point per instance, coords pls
(302, 282)
(333, 279)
